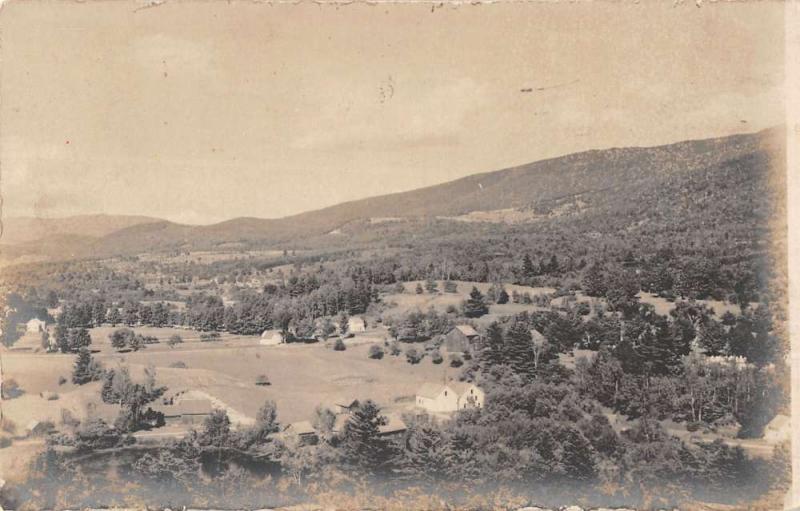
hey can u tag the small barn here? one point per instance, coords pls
(356, 324)
(35, 325)
(461, 338)
(394, 427)
(187, 411)
(302, 431)
(38, 428)
(778, 430)
(271, 337)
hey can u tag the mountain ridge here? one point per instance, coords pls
(532, 185)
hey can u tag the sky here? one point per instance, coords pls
(198, 111)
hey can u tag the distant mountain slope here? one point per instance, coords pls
(590, 183)
(30, 229)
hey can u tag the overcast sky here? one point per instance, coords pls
(202, 111)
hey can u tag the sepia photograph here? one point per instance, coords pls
(396, 255)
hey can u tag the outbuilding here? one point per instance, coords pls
(271, 338)
(461, 338)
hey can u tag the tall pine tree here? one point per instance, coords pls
(475, 306)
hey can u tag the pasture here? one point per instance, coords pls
(302, 376)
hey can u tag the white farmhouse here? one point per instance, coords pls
(356, 324)
(271, 338)
(449, 397)
(35, 325)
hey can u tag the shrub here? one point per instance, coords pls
(456, 361)
(262, 380)
(339, 345)
(451, 309)
(693, 426)
(375, 352)
(5, 442)
(51, 396)
(180, 364)
(450, 286)
(62, 380)
(394, 348)
(174, 340)
(419, 289)
(436, 357)
(412, 356)
(209, 336)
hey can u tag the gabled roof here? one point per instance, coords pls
(347, 402)
(188, 407)
(460, 387)
(430, 390)
(467, 330)
(301, 428)
(394, 424)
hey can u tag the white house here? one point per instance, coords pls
(35, 325)
(356, 324)
(449, 397)
(271, 338)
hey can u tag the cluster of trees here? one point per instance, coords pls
(125, 338)
(419, 326)
(71, 340)
(531, 438)
(86, 369)
(133, 398)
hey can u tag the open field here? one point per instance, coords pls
(302, 376)
(409, 300)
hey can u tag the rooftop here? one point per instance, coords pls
(467, 330)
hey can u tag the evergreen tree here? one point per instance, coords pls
(519, 347)
(344, 323)
(475, 306)
(431, 286)
(361, 444)
(493, 352)
(593, 281)
(711, 337)
(426, 456)
(528, 270)
(62, 338)
(85, 369)
(114, 316)
(99, 312)
(502, 296)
